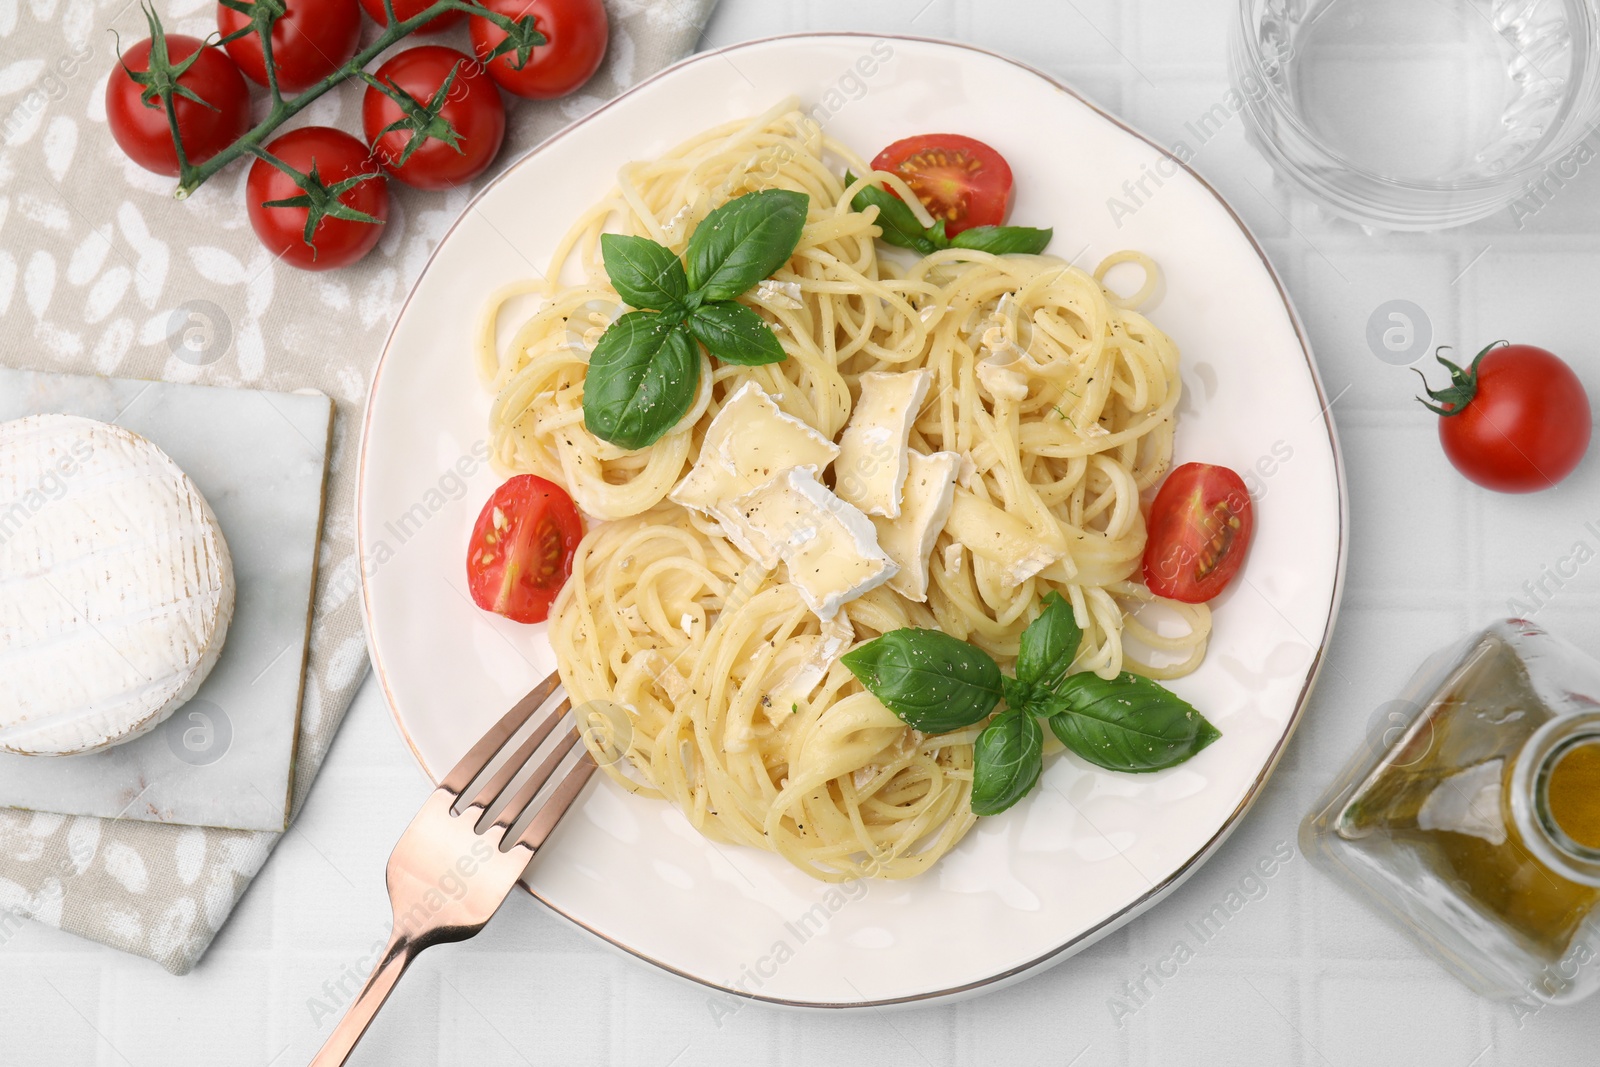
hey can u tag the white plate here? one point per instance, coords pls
(1088, 850)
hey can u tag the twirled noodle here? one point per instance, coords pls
(1061, 402)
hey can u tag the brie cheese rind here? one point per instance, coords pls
(871, 468)
(830, 548)
(118, 586)
(927, 497)
(749, 442)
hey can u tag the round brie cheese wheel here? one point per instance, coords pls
(116, 588)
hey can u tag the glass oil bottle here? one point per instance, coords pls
(1475, 822)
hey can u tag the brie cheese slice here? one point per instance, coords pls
(803, 663)
(665, 673)
(1002, 381)
(1001, 538)
(749, 442)
(926, 499)
(118, 586)
(830, 548)
(871, 467)
(1001, 370)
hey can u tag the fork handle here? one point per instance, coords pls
(358, 1016)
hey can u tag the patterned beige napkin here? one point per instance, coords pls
(102, 272)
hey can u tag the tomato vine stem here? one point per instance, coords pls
(521, 37)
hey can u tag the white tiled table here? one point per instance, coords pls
(1300, 975)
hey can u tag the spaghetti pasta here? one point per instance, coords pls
(1060, 400)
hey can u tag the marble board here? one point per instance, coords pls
(226, 758)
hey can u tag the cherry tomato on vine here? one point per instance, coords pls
(311, 40)
(335, 157)
(1199, 531)
(1516, 421)
(577, 31)
(521, 550)
(470, 114)
(961, 181)
(410, 9)
(141, 130)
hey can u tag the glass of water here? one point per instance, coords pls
(1421, 114)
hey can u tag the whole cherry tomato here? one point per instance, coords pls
(577, 31)
(311, 40)
(333, 157)
(470, 115)
(410, 9)
(1517, 420)
(141, 129)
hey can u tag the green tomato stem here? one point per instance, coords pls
(192, 176)
(1454, 398)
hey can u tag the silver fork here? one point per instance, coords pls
(442, 848)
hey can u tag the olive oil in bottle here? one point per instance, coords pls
(1479, 826)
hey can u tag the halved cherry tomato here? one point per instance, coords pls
(1199, 531)
(521, 550)
(310, 40)
(1516, 420)
(577, 31)
(405, 10)
(962, 182)
(472, 109)
(141, 130)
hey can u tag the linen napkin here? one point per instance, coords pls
(102, 272)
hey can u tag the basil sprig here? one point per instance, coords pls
(645, 371)
(901, 228)
(938, 684)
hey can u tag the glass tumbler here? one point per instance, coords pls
(1421, 114)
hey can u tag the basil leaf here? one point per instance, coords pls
(736, 334)
(744, 241)
(641, 381)
(644, 274)
(897, 221)
(900, 227)
(1006, 761)
(1128, 723)
(928, 678)
(1003, 240)
(1049, 645)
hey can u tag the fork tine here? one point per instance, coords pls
(473, 763)
(560, 800)
(519, 803)
(495, 786)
